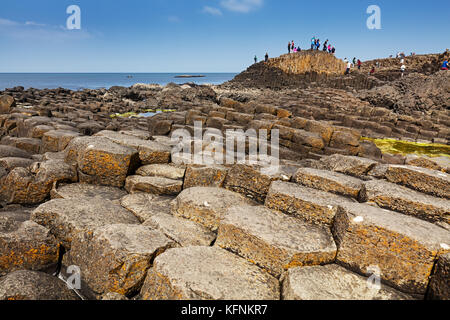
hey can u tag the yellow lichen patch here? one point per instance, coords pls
(406, 147)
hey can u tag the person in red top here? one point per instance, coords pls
(359, 64)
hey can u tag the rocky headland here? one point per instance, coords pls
(84, 184)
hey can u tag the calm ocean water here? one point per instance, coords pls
(78, 81)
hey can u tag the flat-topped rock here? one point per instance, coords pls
(88, 191)
(10, 163)
(25, 245)
(205, 176)
(274, 241)
(67, 217)
(308, 204)
(13, 152)
(207, 273)
(353, 166)
(101, 161)
(168, 171)
(150, 152)
(401, 199)
(154, 185)
(439, 284)
(333, 282)
(425, 180)
(32, 285)
(205, 205)
(115, 258)
(145, 205)
(184, 232)
(57, 140)
(404, 248)
(329, 181)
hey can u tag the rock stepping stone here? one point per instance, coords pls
(25, 245)
(154, 185)
(350, 165)
(184, 232)
(404, 248)
(401, 199)
(308, 204)
(150, 152)
(206, 205)
(88, 191)
(13, 152)
(421, 179)
(205, 176)
(67, 217)
(329, 181)
(207, 273)
(32, 285)
(115, 258)
(333, 282)
(168, 171)
(11, 163)
(57, 140)
(101, 161)
(273, 240)
(440, 284)
(145, 205)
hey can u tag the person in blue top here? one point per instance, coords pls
(445, 65)
(313, 43)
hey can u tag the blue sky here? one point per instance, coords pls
(205, 35)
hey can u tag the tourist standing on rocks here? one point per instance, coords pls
(266, 57)
(256, 59)
(403, 68)
(313, 43)
(354, 61)
(289, 47)
(445, 65)
(329, 48)
(359, 64)
(325, 45)
(333, 50)
(349, 66)
(372, 71)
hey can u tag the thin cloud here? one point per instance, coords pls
(8, 23)
(242, 6)
(173, 19)
(212, 11)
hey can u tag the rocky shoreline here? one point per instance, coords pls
(79, 187)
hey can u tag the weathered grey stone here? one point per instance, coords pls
(354, 166)
(329, 181)
(113, 296)
(206, 205)
(205, 176)
(9, 151)
(154, 185)
(57, 140)
(274, 241)
(25, 245)
(10, 163)
(333, 282)
(67, 217)
(145, 205)
(308, 204)
(402, 247)
(115, 258)
(88, 191)
(168, 171)
(396, 198)
(101, 161)
(440, 282)
(182, 231)
(425, 180)
(207, 273)
(32, 285)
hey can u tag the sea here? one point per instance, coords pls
(80, 81)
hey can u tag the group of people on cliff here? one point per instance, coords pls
(315, 45)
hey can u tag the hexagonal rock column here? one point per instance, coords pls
(25, 245)
(115, 258)
(57, 140)
(32, 285)
(440, 282)
(205, 176)
(87, 191)
(401, 199)
(425, 180)
(67, 217)
(333, 282)
(308, 204)
(207, 273)
(101, 161)
(184, 232)
(353, 166)
(329, 181)
(145, 205)
(402, 247)
(6, 103)
(206, 205)
(168, 171)
(274, 241)
(154, 185)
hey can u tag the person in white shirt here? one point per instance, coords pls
(349, 65)
(403, 68)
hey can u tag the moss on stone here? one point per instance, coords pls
(406, 147)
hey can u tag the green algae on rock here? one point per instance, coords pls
(407, 147)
